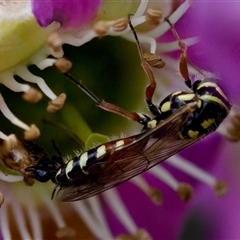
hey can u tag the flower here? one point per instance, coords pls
(216, 24)
(114, 207)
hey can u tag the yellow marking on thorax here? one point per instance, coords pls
(166, 107)
(212, 84)
(186, 97)
(152, 124)
(214, 99)
(193, 134)
(199, 103)
(207, 123)
(176, 93)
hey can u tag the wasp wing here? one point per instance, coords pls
(150, 148)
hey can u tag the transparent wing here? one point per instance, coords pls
(150, 148)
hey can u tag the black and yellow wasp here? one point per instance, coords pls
(180, 120)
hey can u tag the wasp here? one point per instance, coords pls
(180, 120)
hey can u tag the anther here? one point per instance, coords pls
(141, 234)
(57, 103)
(198, 173)
(154, 194)
(63, 65)
(32, 134)
(10, 143)
(185, 191)
(220, 188)
(153, 60)
(32, 95)
(120, 25)
(65, 233)
(1, 199)
(232, 132)
(101, 27)
(55, 42)
(154, 15)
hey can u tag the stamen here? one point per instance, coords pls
(173, 46)
(141, 234)
(4, 220)
(164, 27)
(55, 43)
(32, 95)
(79, 41)
(1, 199)
(32, 133)
(154, 15)
(10, 178)
(184, 190)
(85, 212)
(197, 173)
(143, 39)
(63, 65)
(153, 193)
(230, 128)
(3, 136)
(10, 142)
(21, 223)
(101, 27)
(118, 208)
(48, 62)
(8, 80)
(57, 103)
(34, 218)
(28, 76)
(65, 232)
(120, 25)
(98, 212)
(54, 211)
(141, 8)
(9, 115)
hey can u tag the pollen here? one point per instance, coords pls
(63, 65)
(1, 199)
(120, 25)
(32, 95)
(185, 191)
(207, 123)
(32, 133)
(57, 103)
(154, 15)
(65, 232)
(193, 134)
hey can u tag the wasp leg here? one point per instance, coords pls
(183, 64)
(140, 118)
(150, 89)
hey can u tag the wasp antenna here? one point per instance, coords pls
(84, 89)
(65, 130)
(56, 148)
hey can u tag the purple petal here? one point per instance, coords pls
(223, 215)
(218, 51)
(70, 13)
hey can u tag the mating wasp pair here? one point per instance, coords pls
(180, 120)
